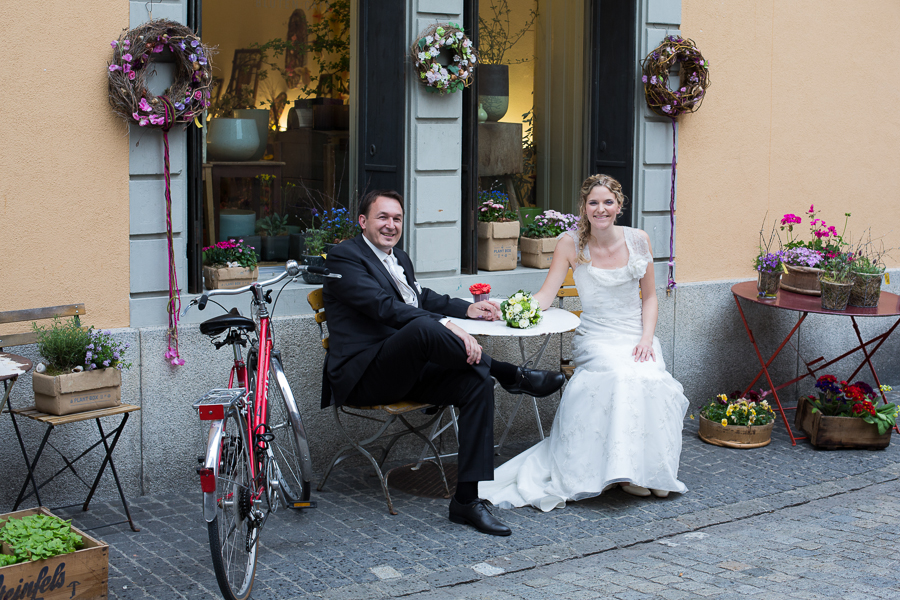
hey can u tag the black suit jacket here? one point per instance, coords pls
(364, 308)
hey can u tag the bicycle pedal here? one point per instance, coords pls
(302, 505)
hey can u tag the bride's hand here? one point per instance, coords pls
(643, 352)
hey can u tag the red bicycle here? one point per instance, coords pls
(257, 454)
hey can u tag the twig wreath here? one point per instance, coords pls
(437, 77)
(686, 98)
(182, 102)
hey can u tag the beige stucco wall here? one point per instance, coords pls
(803, 109)
(63, 161)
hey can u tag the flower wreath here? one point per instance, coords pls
(694, 77)
(188, 95)
(439, 78)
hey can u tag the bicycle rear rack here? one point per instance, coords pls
(214, 405)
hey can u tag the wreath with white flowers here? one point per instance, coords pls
(694, 77)
(439, 78)
(185, 99)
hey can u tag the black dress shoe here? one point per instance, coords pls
(478, 515)
(535, 383)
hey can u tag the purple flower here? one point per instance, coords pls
(106, 363)
(116, 355)
(158, 48)
(198, 95)
(195, 43)
(127, 57)
(192, 57)
(202, 61)
(93, 366)
(144, 105)
(182, 46)
(653, 80)
(667, 108)
(126, 44)
(114, 43)
(132, 75)
(644, 79)
(179, 105)
(88, 355)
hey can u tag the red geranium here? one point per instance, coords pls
(478, 289)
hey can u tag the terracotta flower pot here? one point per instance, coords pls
(735, 436)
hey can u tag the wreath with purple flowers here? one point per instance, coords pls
(693, 72)
(133, 53)
(450, 40)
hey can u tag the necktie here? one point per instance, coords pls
(396, 271)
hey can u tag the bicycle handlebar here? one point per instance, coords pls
(292, 269)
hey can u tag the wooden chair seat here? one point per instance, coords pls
(567, 290)
(394, 424)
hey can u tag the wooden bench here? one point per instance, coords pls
(108, 439)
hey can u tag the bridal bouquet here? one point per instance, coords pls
(521, 310)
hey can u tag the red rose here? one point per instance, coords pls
(479, 288)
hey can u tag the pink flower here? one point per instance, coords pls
(158, 48)
(114, 43)
(198, 95)
(114, 68)
(811, 209)
(127, 57)
(790, 218)
(144, 105)
(143, 121)
(132, 75)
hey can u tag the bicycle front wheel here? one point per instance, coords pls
(233, 533)
(289, 446)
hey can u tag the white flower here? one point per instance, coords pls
(523, 323)
(459, 35)
(429, 39)
(517, 308)
(422, 56)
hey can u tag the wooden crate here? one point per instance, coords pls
(81, 575)
(831, 433)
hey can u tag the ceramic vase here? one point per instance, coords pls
(260, 116)
(231, 140)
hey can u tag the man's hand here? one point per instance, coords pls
(484, 310)
(473, 348)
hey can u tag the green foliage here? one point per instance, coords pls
(494, 206)
(550, 224)
(739, 410)
(37, 537)
(7, 559)
(274, 224)
(230, 251)
(315, 240)
(838, 269)
(867, 266)
(63, 344)
(841, 399)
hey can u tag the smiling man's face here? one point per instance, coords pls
(383, 224)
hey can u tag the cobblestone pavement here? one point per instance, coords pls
(780, 521)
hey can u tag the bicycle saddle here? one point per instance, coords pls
(230, 320)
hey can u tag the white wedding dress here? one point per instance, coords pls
(619, 420)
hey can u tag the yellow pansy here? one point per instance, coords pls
(724, 422)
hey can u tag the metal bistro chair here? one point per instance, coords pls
(567, 290)
(385, 414)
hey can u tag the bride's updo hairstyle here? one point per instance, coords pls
(584, 225)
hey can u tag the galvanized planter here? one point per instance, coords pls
(866, 289)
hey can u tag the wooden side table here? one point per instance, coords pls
(54, 421)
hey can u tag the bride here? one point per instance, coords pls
(620, 418)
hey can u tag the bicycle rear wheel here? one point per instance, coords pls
(233, 534)
(289, 446)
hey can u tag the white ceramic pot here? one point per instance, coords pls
(231, 140)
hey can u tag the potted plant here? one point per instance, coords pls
(540, 235)
(498, 232)
(768, 265)
(82, 370)
(338, 226)
(275, 240)
(802, 258)
(229, 264)
(836, 281)
(314, 255)
(738, 421)
(868, 269)
(495, 39)
(842, 415)
(42, 555)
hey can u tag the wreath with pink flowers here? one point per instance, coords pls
(133, 53)
(450, 40)
(694, 77)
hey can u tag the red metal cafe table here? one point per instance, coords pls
(888, 306)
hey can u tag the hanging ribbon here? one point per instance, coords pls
(670, 279)
(173, 305)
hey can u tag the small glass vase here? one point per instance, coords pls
(767, 285)
(480, 297)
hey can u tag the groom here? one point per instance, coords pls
(388, 342)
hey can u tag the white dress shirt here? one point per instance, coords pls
(393, 267)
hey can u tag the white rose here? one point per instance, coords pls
(517, 309)
(523, 323)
